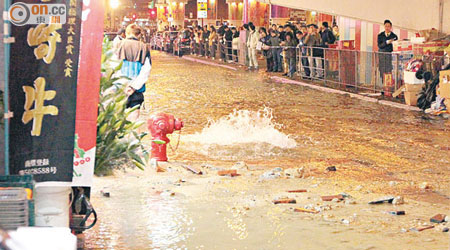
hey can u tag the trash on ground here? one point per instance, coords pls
(438, 218)
(424, 186)
(388, 199)
(193, 169)
(285, 201)
(421, 228)
(304, 210)
(297, 191)
(231, 173)
(331, 197)
(397, 212)
(294, 172)
(331, 169)
(398, 200)
(105, 194)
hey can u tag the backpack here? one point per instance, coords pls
(331, 37)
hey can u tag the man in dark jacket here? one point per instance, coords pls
(327, 35)
(229, 43)
(385, 40)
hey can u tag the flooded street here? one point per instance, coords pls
(234, 116)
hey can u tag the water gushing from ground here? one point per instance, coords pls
(231, 136)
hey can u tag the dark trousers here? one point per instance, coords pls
(305, 64)
(270, 64)
(291, 62)
(229, 49)
(277, 60)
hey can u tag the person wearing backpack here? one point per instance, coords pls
(327, 35)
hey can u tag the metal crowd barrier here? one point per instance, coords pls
(357, 71)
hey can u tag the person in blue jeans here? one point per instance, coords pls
(274, 43)
(303, 55)
(136, 59)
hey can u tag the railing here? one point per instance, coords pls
(356, 71)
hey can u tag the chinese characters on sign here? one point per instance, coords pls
(70, 34)
(44, 34)
(43, 85)
(37, 95)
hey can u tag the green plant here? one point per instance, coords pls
(117, 140)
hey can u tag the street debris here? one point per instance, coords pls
(424, 186)
(231, 173)
(398, 200)
(388, 199)
(270, 175)
(240, 166)
(304, 210)
(445, 230)
(421, 229)
(193, 169)
(105, 194)
(331, 169)
(297, 191)
(178, 183)
(358, 188)
(438, 218)
(294, 172)
(285, 201)
(167, 193)
(331, 197)
(350, 202)
(397, 212)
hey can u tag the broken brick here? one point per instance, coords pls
(227, 172)
(438, 218)
(285, 201)
(297, 191)
(331, 197)
(304, 210)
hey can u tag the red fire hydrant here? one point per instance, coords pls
(160, 125)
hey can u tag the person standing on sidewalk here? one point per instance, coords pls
(267, 52)
(252, 42)
(313, 41)
(385, 40)
(275, 43)
(206, 40)
(235, 44)
(246, 52)
(212, 40)
(290, 53)
(327, 35)
(229, 44)
(303, 55)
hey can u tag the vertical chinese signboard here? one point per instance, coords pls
(43, 90)
(88, 93)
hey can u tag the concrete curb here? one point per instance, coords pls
(208, 63)
(340, 92)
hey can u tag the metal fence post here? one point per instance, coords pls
(356, 70)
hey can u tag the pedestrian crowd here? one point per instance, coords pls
(278, 45)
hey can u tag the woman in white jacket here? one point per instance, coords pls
(252, 42)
